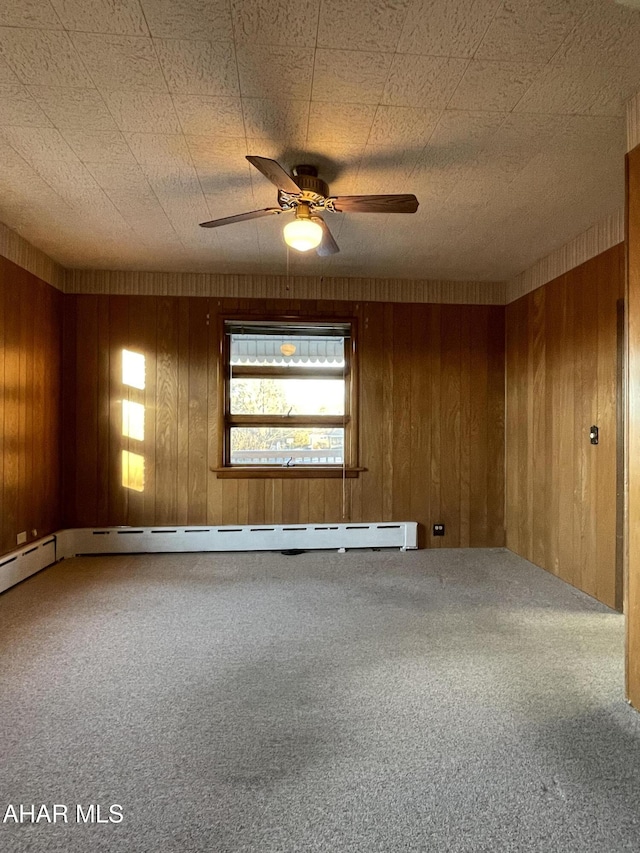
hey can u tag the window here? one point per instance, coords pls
(289, 399)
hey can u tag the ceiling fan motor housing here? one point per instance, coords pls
(306, 177)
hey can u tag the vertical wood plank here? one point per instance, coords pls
(605, 404)
(435, 486)
(214, 485)
(465, 424)
(421, 416)
(166, 412)
(478, 429)
(86, 426)
(495, 430)
(586, 414)
(70, 370)
(103, 387)
(450, 414)
(537, 451)
(387, 413)
(198, 410)
(181, 510)
(14, 308)
(554, 330)
(118, 341)
(371, 407)
(401, 414)
(142, 339)
(632, 591)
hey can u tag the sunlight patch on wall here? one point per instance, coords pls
(133, 369)
(133, 420)
(132, 471)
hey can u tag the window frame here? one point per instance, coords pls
(226, 420)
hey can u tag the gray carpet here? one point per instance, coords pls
(368, 701)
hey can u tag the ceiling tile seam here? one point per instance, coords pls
(484, 34)
(132, 228)
(146, 23)
(313, 70)
(460, 79)
(244, 121)
(383, 89)
(66, 34)
(26, 90)
(380, 103)
(524, 94)
(336, 231)
(584, 15)
(151, 187)
(33, 168)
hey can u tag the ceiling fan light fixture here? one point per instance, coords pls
(302, 234)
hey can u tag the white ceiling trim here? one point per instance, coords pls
(16, 249)
(595, 240)
(283, 287)
(600, 237)
(633, 122)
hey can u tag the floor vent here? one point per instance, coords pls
(128, 540)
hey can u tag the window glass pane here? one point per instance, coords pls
(287, 446)
(312, 351)
(287, 396)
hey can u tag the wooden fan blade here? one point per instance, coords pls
(275, 173)
(375, 203)
(240, 217)
(328, 245)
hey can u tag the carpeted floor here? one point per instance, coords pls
(368, 701)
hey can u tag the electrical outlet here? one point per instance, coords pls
(438, 529)
(21, 537)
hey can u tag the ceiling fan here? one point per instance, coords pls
(307, 194)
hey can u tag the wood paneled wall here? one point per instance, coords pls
(632, 596)
(431, 418)
(30, 405)
(561, 368)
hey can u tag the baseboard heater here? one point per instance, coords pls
(267, 537)
(18, 565)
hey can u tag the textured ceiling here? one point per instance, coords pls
(124, 123)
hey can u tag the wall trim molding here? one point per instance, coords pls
(633, 121)
(595, 240)
(282, 287)
(18, 250)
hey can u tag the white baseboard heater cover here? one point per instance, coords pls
(267, 537)
(18, 565)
